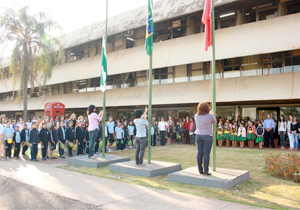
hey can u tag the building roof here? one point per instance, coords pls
(162, 9)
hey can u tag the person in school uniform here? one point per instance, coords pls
(251, 134)
(242, 135)
(226, 134)
(111, 130)
(61, 134)
(25, 139)
(79, 138)
(54, 140)
(8, 134)
(70, 137)
(87, 140)
(45, 139)
(260, 135)
(119, 133)
(155, 133)
(17, 141)
(220, 134)
(126, 135)
(34, 140)
(99, 138)
(233, 135)
(131, 132)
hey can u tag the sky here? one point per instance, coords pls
(74, 14)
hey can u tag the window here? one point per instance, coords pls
(74, 87)
(208, 71)
(227, 16)
(68, 87)
(61, 88)
(129, 80)
(179, 27)
(272, 63)
(162, 76)
(118, 81)
(81, 85)
(95, 84)
(194, 24)
(232, 67)
(267, 9)
(292, 61)
(43, 91)
(162, 31)
(55, 89)
(246, 12)
(292, 7)
(49, 90)
(109, 82)
(196, 71)
(140, 35)
(251, 66)
(141, 78)
(180, 74)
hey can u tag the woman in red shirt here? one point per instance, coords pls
(186, 130)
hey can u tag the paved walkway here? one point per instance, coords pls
(105, 193)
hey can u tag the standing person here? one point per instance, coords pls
(28, 123)
(233, 134)
(25, 139)
(251, 134)
(141, 124)
(204, 120)
(83, 124)
(126, 134)
(34, 119)
(73, 119)
(269, 124)
(2, 141)
(39, 122)
(282, 131)
(226, 133)
(70, 137)
(119, 133)
(61, 134)
(8, 134)
(155, 133)
(192, 128)
(34, 140)
(220, 133)
(242, 135)
(54, 140)
(260, 135)
(291, 140)
(87, 140)
(111, 130)
(79, 138)
(131, 132)
(17, 141)
(45, 139)
(94, 120)
(170, 130)
(162, 129)
(275, 131)
(295, 131)
(186, 130)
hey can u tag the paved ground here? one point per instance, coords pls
(16, 195)
(95, 191)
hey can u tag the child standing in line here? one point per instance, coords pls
(34, 140)
(45, 139)
(155, 133)
(177, 128)
(131, 132)
(8, 134)
(17, 141)
(233, 135)
(251, 134)
(70, 136)
(111, 131)
(152, 134)
(79, 138)
(54, 140)
(220, 134)
(226, 134)
(61, 134)
(126, 135)
(192, 128)
(260, 135)
(181, 133)
(25, 139)
(87, 140)
(119, 133)
(242, 135)
(99, 137)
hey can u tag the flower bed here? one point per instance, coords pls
(285, 166)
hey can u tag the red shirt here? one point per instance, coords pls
(186, 125)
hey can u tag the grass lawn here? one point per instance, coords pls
(261, 190)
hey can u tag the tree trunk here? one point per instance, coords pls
(25, 96)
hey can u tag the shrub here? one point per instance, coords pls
(285, 166)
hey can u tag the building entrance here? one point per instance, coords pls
(261, 113)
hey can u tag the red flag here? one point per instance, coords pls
(206, 20)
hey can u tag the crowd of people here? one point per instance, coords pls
(71, 134)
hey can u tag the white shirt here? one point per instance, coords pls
(20, 126)
(29, 125)
(282, 126)
(34, 121)
(162, 126)
(1, 129)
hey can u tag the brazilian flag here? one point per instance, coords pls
(149, 29)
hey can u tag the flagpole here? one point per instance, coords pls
(150, 109)
(213, 65)
(104, 95)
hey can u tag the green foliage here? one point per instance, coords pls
(34, 53)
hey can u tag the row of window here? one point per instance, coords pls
(229, 15)
(274, 63)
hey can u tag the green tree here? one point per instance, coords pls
(34, 53)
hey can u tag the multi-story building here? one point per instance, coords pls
(257, 67)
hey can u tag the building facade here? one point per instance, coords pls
(257, 63)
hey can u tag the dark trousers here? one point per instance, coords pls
(140, 143)
(269, 137)
(80, 146)
(119, 146)
(87, 147)
(70, 148)
(8, 148)
(163, 138)
(204, 143)
(24, 149)
(93, 136)
(17, 150)
(61, 151)
(44, 150)
(187, 136)
(97, 145)
(282, 139)
(154, 140)
(34, 151)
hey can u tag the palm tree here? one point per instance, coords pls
(34, 53)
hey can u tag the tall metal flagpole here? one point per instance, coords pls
(104, 94)
(213, 65)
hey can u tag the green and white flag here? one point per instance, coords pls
(149, 29)
(103, 68)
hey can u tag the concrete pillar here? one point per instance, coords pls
(236, 113)
(282, 9)
(113, 111)
(241, 19)
(195, 109)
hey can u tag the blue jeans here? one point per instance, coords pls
(204, 143)
(93, 136)
(282, 139)
(295, 138)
